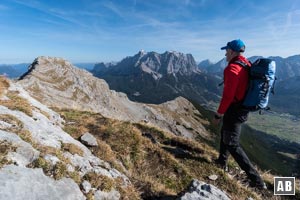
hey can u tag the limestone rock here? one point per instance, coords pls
(52, 159)
(199, 190)
(213, 177)
(86, 186)
(24, 153)
(21, 183)
(89, 140)
(112, 195)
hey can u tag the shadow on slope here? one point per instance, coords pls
(271, 153)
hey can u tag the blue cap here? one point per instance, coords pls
(235, 45)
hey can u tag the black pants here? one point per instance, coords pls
(233, 119)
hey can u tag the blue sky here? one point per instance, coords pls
(103, 30)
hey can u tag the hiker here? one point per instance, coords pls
(230, 109)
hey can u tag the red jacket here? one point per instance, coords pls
(235, 83)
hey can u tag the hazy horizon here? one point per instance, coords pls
(114, 61)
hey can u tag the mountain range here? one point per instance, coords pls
(156, 78)
(13, 70)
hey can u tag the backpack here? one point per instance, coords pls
(261, 84)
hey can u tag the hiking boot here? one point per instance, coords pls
(221, 165)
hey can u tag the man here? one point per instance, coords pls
(230, 109)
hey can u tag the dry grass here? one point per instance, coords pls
(158, 163)
(42, 163)
(100, 182)
(104, 152)
(5, 147)
(16, 124)
(152, 170)
(4, 85)
(72, 148)
(15, 102)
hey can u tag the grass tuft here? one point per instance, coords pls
(15, 102)
(5, 147)
(99, 181)
(72, 148)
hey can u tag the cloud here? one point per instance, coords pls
(114, 8)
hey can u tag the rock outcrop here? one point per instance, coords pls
(202, 191)
(20, 183)
(34, 142)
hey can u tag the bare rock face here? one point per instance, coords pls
(55, 82)
(24, 154)
(203, 191)
(24, 183)
(89, 140)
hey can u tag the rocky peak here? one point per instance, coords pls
(50, 66)
(177, 62)
(158, 65)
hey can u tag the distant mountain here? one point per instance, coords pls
(13, 70)
(207, 66)
(203, 65)
(156, 78)
(102, 67)
(87, 66)
(287, 67)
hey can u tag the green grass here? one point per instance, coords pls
(283, 126)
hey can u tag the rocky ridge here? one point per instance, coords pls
(57, 83)
(152, 63)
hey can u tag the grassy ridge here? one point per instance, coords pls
(159, 164)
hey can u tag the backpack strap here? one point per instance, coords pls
(242, 64)
(245, 66)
